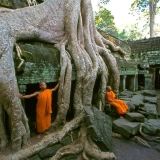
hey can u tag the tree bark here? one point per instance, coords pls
(152, 12)
(70, 26)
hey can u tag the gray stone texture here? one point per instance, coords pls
(35, 157)
(137, 100)
(68, 139)
(131, 106)
(125, 128)
(152, 127)
(49, 152)
(151, 110)
(152, 100)
(99, 127)
(126, 94)
(150, 93)
(134, 117)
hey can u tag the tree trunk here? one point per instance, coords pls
(67, 24)
(152, 12)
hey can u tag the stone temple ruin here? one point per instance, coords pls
(139, 77)
(139, 72)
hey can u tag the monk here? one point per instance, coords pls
(120, 106)
(43, 107)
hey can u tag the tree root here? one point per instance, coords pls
(48, 140)
(19, 53)
(147, 137)
(85, 146)
(72, 28)
(65, 85)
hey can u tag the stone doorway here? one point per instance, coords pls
(141, 81)
(157, 78)
(30, 104)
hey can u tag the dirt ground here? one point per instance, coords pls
(123, 149)
(130, 150)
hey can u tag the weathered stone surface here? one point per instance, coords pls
(131, 106)
(152, 100)
(99, 127)
(150, 93)
(14, 3)
(125, 128)
(125, 98)
(70, 157)
(68, 139)
(49, 152)
(151, 109)
(154, 145)
(35, 157)
(134, 117)
(41, 64)
(137, 100)
(110, 110)
(152, 127)
(127, 94)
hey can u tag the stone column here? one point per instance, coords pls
(135, 83)
(124, 82)
(153, 71)
(148, 81)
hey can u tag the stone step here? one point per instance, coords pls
(125, 127)
(135, 117)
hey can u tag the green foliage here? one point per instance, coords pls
(130, 33)
(104, 1)
(142, 5)
(146, 9)
(104, 20)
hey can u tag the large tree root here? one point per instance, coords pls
(147, 137)
(70, 25)
(46, 141)
(85, 146)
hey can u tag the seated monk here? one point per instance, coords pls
(120, 106)
(43, 107)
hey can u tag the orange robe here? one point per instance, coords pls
(120, 106)
(43, 110)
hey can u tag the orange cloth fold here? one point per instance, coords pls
(120, 106)
(44, 110)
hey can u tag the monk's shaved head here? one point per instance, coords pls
(108, 88)
(42, 85)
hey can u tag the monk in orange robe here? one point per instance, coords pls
(120, 106)
(43, 107)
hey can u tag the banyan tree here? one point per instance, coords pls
(69, 26)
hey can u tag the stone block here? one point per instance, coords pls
(35, 157)
(99, 127)
(152, 127)
(49, 152)
(130, 106)
(70, 157)
(137, 100)
(150, 93)
(126, 94)
(152, 100)
(151, 110)
(126, 128)
(66, 140)
(134, 117)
